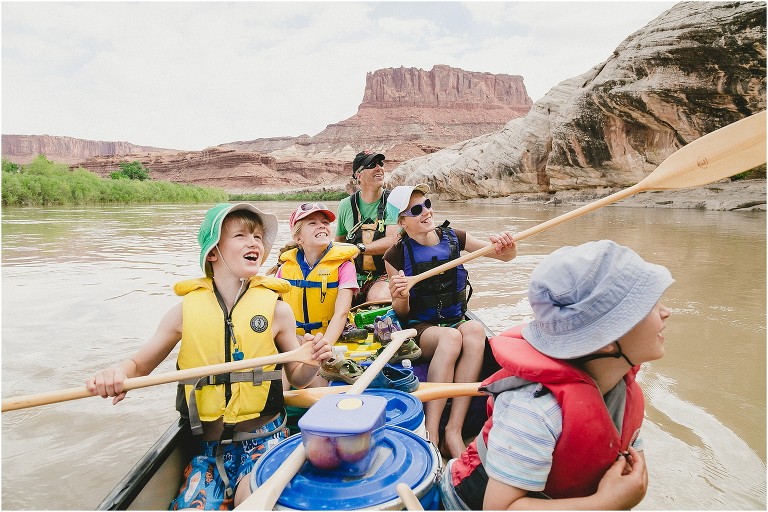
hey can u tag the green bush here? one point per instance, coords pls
(758, 173)
(132, 171)
(41, 165)
(14, 191)
(43, 183)
(324, 195)
(9, 166)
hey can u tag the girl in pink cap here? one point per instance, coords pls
(321, 273)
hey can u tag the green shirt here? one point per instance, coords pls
(367, 211)
(346, 222)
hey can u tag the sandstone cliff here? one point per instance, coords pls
(234, 171)
(23, 148)
(697, 67)
(413, 110)
(405, 113)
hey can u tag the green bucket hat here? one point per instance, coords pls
(210, 230)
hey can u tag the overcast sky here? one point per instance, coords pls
(187, 75)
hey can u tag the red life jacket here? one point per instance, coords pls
(589, 443)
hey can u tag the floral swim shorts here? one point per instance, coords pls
(203, 487)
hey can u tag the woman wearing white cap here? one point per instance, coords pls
(567, 411)
(435, 307)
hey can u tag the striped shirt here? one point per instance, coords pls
(526, 425)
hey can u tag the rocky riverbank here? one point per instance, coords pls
(745, 195)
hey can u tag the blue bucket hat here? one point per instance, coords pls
(210, 230)
(586, 297)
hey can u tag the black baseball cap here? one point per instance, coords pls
(364, 159)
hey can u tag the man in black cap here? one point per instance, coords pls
(363, 221)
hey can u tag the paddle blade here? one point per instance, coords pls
(735, 148)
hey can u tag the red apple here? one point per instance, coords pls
(353, 448)
(321, 451)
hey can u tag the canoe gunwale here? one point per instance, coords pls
(125, 492)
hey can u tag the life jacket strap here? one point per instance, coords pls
(228, 436)
(225, 439)
(309, 326)
(256, 376)
(247, 436)
(303, 283)
(482, 449)
(441, 300)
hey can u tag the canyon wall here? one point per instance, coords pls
(695, 68)
(405, 113)
(23, 148)
(412, 111)
(234, 171)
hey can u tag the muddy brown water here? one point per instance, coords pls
(82, 288)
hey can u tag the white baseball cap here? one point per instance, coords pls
(398, 199)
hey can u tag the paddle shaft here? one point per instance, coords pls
(616, 196)
(410, 500)
(265, 497)
(303, 354)
(426, 391)
(381, 360)
(733, 149)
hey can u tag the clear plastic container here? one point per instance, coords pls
(340, 433)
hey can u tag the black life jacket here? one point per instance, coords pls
(366, 232)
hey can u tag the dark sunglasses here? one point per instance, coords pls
(373, 164)
(415, 210)
(308, 207)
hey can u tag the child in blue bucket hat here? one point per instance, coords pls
(566, 409)
(230, 314)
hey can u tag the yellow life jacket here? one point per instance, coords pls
(314, 289)
(207, 339)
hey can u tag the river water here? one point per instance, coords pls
(83, 287)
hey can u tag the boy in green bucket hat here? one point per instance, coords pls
(228, 315)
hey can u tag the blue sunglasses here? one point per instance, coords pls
(415, 210)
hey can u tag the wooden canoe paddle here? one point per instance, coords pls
(426, 391)
(267, 494)
(730, 150)
(410, 500)
(364, 305)
(302, 354)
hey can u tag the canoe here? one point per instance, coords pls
(155, 479)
